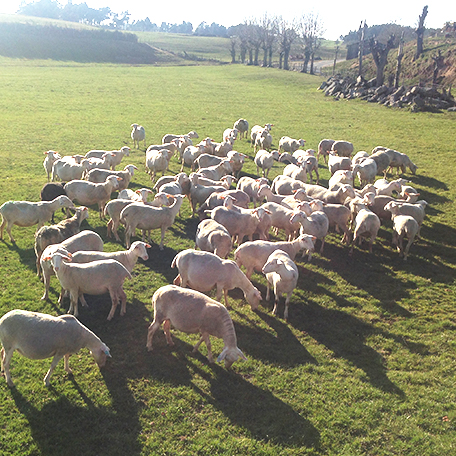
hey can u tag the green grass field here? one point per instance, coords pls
(365, 364)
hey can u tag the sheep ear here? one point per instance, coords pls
(107, 352)
(241, 355)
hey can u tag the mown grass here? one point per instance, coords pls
(365, 364)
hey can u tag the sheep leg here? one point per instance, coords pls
(114, 300)
(54, 363)
(151, 331)
(66, 363)
(196, 347)
(123, 302)
(8, 230)
(178, 281)
(82, 299)
(162, 238)
(268, 291)
(287, 302)
(46, 280)
(167, 331)
(322, 245)
(407, 248)
(6, 356)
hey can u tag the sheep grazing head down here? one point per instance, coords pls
(231, 355)
(101, 354)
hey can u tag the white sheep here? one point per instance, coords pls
(263, 140)
(416, 210)
(157, 161)
(366, 171)
(230, 134)
(324, 147)
(336, 162)
(190, 156)
(137, 195)
(342, 148)
(138, 134)
(103, 162)
(67, 171)
(282, 273)
(404, 226)
(254, 254)
(316, 224)
(51, 157)
(264, 160)
(242, 126)
(251, 186)
(99, 176)
(213, 237)
(400, 161)
(341, 176)
(239, 199)
(330, 196)
(218, 171)
(383, 187)
(193, 312)
(287, 144)
(88, 193)
(256, 129)
(285, 185)
(225, 181)
(383, 160)
(127, 258)
(94, 278)
(237, 161)
(297, 172)
(359, 157)
(266, 192)
(367, 225)
(169, 137)
(116, 156)
(27, 213)
(200, 193)
(203, 271)
(39, 336)
(147, 217)
(307, 159)
(280, 219)
(221, 149)
(85, 240)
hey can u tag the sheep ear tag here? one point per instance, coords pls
(222, 355)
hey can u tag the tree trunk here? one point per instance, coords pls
(265, 57)
(335, 59)
(420, 32)
(361, 33)
(400, 55)
(380, 56)
(286, 55)
(280, 60)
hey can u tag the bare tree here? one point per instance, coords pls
(400, 56)
(286, 35)
(254, 40)
(361, 37)
(233, 44)
(380, 55)
(420, 32)
(311, 29)
(268, 33)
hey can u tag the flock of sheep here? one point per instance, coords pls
(303, 212)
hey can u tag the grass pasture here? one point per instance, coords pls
(365, 365)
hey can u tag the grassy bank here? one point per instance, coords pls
(365, 364)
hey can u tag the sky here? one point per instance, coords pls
(338, 17)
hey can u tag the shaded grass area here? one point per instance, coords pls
(365, 364)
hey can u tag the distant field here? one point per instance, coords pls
(365, 365)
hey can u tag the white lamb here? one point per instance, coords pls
(213, 237)
(251, 186)
(253, 255)
(67, 171)
(193, 312)
(94, 278)
(48, 163)
(203, 271)
(263, 140)
(99, 176)
(282, 273)
(324, 147)
(416, 210)
(218, 171)
(38, 336)
(26, 213)
(287, 144)
(404, 226)
(367, 225)
(116, 156)
(264, 160)
(256, 129)
(342, 148)
(157, 161)
(88, 193)
(242, 126)
(138, 134)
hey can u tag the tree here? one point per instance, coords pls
(361, 37)
(400, 56)
(286, 35)
(42, 8)
(420, 32)
(268, 33)
(311, 30)
(380, 55)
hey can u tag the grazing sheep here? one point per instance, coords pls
(265, 160)
(38, 336)
(254, 254)
(68, 171)
(138, 134)
(282, 273)
(242, 126)
(335, 162)
(89, 193)
(330, 196)
(51, 157)
(251, 186)
(287, 158)
(157, 161)
(287, 144)
(342, 148)
(147, 217)
(404, 226)
(213, 237)
(98, 176)
(55, 234)
(316, 224)
(193, 312)
(26, 213)
(85, 240)
(383, 160)
(324, 147)
(218, 171)
(203, 271)
(94, 278)
(401, 161)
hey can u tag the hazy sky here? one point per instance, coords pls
(338, 17)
